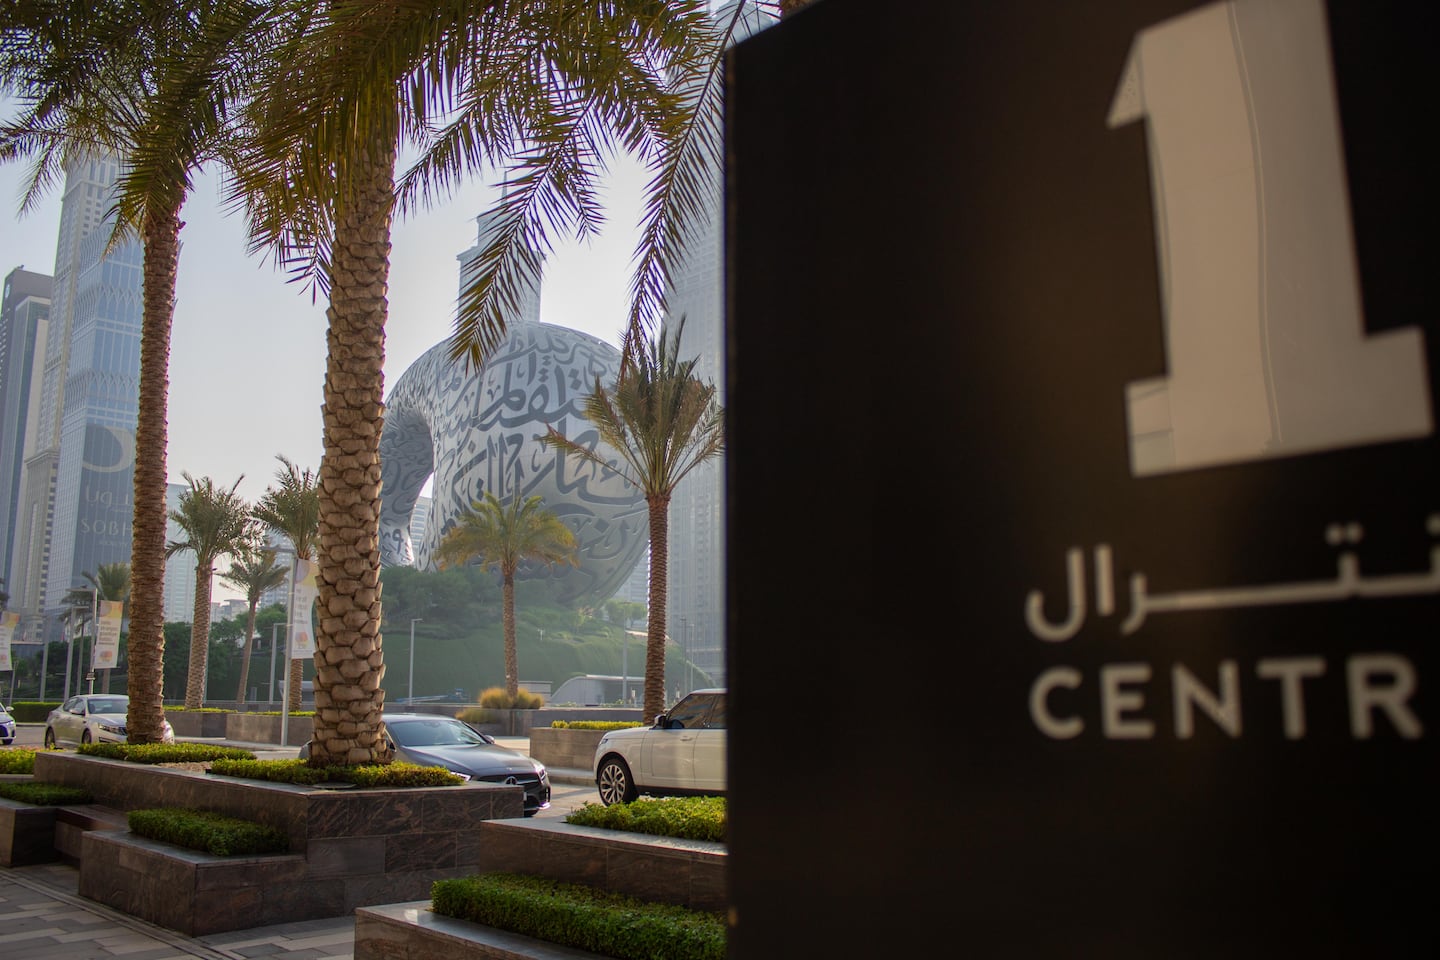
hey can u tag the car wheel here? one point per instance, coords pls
(85, 737)
(49, 739)
(9, 740)
(615, 783)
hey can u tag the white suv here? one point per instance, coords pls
(683, 753)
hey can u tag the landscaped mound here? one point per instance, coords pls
(582, 917)
(687, 818)
(208, 832)
(366, 775)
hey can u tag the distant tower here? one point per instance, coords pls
(77, 459)
(179, 569)
(24, 321)
(696, 576)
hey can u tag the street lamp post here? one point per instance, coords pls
(274, 642)
(410, 695)
(94, 638)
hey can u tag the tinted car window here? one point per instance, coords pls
(716, 720)
(107, 706)
(432, 733)
(691, 713)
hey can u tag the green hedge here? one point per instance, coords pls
(164, 752)
(595, 724)
(17, 760)
(365, 775)
(32, 711)
(208, 832)
(687, 818)
(582, 917)
(44, 794)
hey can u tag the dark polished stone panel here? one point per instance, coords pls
(368, 813)
(421, 852)
(27, 834)
(344, 856)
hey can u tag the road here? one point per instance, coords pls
(564, 797)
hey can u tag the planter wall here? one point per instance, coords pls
(410, 931)
(27, 834)
(263, 728)
(688, 873)
(564, 749)
(193, 723)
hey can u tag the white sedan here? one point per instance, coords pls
(682, 754)
(92, 718)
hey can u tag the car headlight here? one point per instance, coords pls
(115, 728)
(540, 769)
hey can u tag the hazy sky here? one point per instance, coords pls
(247, 357)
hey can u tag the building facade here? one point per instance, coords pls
(24, 323)
(74, 507)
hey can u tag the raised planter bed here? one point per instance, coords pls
(410, 931)
(688, 873)
(358, 847)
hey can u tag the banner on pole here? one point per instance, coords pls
(302, 624)
(8, 622)
(107, 635)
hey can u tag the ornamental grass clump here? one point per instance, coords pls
(497, 699)
(164, 752)
(685, 818)
(44, 794)
(583, 918)
(364, 775)
(17, 760)
(208, 832)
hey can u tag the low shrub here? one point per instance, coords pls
(278, 713)
(44, 794)
(164, 752)
(209, 832)
(686, 818)
(497, 699)
(17, 760)
(197, 710)
(582, 917)
(595, 724)
(32, 711)
(476, 715)
(364, 775)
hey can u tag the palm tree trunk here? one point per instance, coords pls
(199, 637)
(349, 662)
(512, 662)
(146, 644)
(246, 649)
(659, 509)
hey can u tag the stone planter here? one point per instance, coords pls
(263, 728)
(687, 873)
(27, 834)
(195, 723)
(354, 847)
(410, 931)
(564, 749)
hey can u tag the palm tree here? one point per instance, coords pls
(664, 422)
(108, 79)
(252, 572)
(214, 522)
(291, 508)
(503, 537)
(476, 84)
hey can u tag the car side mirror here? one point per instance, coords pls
(660, 721)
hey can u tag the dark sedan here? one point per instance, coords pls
(433, 741)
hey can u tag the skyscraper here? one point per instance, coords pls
(697, 510)
(24, 322)
(179, 569)
(75, 509)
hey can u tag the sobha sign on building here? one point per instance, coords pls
(1127, 441)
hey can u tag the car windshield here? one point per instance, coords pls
(108, 705)
(438, 732)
